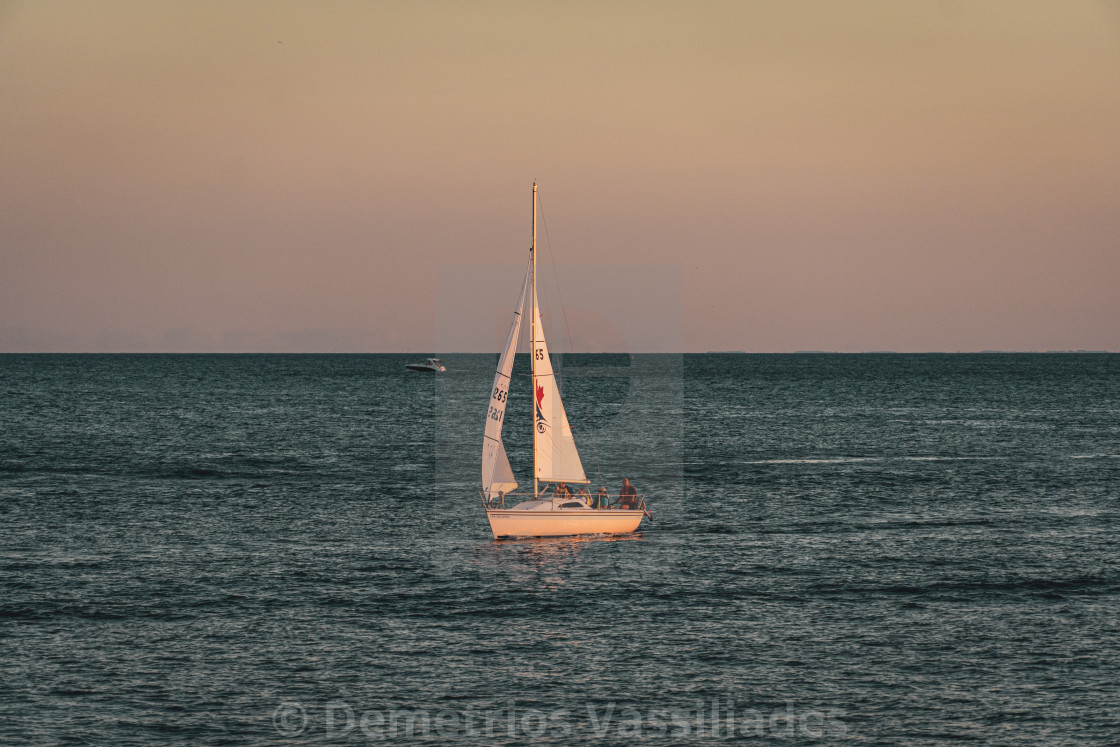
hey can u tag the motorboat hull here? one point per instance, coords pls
(508, 522)
(431, 365)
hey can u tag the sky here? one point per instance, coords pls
(356, 176)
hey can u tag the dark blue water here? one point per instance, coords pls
(258, 549)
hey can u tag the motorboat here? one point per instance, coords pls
(431, 365)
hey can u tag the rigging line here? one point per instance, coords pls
(564, 315)
(555, 275)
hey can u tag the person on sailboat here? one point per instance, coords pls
(628, 496)
(601, 498)
(562, 491)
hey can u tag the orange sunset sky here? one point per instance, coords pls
(306, 176)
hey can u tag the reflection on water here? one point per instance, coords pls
(551, 561)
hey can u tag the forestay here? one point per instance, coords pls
(497, 475)
(555, 449)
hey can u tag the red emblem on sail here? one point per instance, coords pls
(542, 423)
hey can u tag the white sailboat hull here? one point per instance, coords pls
(506, 522)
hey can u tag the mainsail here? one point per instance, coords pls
(496, 472)
(554, 447)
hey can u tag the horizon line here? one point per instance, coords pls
(568, 352)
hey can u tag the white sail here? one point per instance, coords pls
(555, 449)
(497, 475)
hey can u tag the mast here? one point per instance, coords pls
(533, 343)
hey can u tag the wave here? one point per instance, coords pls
(241, 467)
(1050, 587)
(860, 460)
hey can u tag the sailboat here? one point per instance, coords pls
(553, 509)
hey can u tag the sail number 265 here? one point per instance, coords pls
(499, 396)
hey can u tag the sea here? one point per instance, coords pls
(292, 549)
